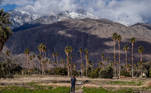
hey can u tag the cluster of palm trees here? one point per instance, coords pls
(84, 57)
(68, 52)
(117, 39)
(83, 66)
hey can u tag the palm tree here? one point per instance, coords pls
(114, 37)
(102, 57)
(81, 57)
(8, 53)
(44, 63)
(32, 58)
(55, 57)
(87, 60)
(27, 57)
(68, 51)
(132, 46)
(40, 61)
(140, 51)
(42, 49)
(119, 63)
(126, 47)
(5, 30)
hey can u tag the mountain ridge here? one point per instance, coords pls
(93, 34)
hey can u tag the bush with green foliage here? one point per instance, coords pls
(59, 71)
(94, 73)
(75, 73)
(8, 69)
(107, 72)
(125, 73)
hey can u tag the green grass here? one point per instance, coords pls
(102, 90)
(136, 83)
(95, 90)
(36, 90)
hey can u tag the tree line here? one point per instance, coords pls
(85, 63)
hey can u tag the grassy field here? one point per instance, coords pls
(102, 90)
(135, 83)
(40, 89)
(34, 90)
(57, 84)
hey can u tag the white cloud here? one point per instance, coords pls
(124, 11)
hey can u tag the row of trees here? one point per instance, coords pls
(84, 60)
(117, 39)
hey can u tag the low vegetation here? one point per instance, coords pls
(102, 90)
(133, 83)
(34, 90)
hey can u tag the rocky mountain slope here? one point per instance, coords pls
(93, 34)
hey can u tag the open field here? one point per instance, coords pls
(61, 84)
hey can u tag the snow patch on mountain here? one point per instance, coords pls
(26, 15)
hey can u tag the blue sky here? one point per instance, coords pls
(8, 7)
(127, 12)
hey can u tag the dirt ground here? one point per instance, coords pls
(65, 81)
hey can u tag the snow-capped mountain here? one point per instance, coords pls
(20, 17)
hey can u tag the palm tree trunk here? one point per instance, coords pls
(114, 66)
(86, 65)
(68, 65)
(132, 61)
(27, 64)
(126, 60)
(119, 64)
(141, 60)
(81, 64)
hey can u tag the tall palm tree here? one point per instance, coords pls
(132, 46)
(102, 57)
(114, 38)
(55, 57)
(119, 38)
(140, 51)
(81, 57)
(8, 52)
(44, 64)
(42, 49)
(87, 60)
(68, 51)
(27, 57)
(126, 47)
(5, 30)
(40, 61)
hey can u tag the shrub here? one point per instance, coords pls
(8, 69)
(107, 73)
(75, 73)
(93, 74)
(125, 73)
(60, 71)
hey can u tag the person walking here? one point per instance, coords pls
(73, 82)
